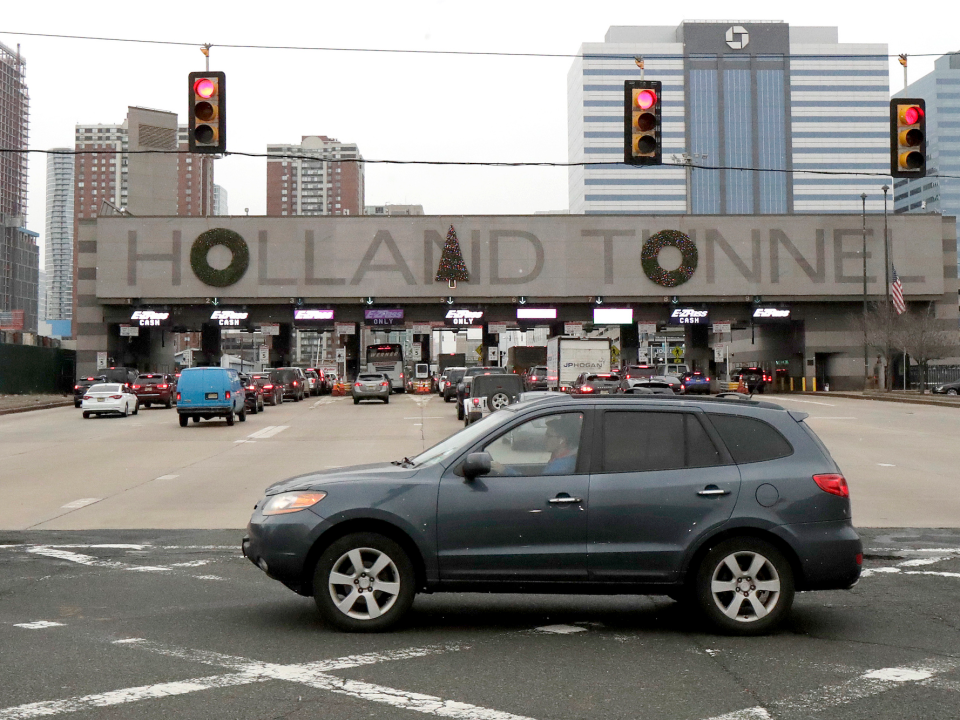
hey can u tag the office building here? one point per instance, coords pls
(941, 91)
(320, 176)
(735, 94)
(220, 200)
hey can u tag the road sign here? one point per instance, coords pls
(415, 353)
(647, 328)
(573, 328)
(719, 352)
(341, 355)
(721, 327)
(101, 361)
(264, 355)
(496, 328)
(422, 328)
(129, 331)
(677, 352)
(270, 329)
(479, 351)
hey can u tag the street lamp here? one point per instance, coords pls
(866, 374)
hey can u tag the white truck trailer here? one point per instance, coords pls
(567, 357)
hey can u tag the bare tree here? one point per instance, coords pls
(919, 334)
(883, 327)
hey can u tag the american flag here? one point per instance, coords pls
(896, 291)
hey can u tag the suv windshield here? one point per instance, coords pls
(462, 439)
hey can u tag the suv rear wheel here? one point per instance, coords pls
(498, 400)
(364, 582)
(745, 586)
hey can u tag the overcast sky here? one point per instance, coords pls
(393, 106)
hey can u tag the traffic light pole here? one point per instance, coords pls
(866, 373)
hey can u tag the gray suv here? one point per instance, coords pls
(732, 505)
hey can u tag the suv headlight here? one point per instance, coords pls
(291, 502)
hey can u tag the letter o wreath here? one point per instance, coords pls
(649, 258)
(239, 261)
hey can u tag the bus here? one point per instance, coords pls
(387, 358)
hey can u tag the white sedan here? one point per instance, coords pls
(109, 398)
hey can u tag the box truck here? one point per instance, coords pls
(521, 358)
(567, 357)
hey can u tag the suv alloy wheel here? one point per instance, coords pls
(364, 582)
(744, 586)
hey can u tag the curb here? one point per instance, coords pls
(919, 400)
(44, 406)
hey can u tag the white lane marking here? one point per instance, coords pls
(82, 502)
(426, 417)
(868, 684)
(207, 577)
(886, 465)
(92, 561)
(897, 674)
(192, 563)
(38, 624)
(560, 629)
(805, 402)
(237, 442)
(167, 477)
(754, 713)
(931, 572)
(268, 432)
(917, 562)
(126, 695)
(310, 674)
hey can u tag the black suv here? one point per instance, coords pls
(535, 379)
(731, 505)
(449, 381)
(81, 387)
(292, 380)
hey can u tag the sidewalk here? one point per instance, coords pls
(899, 396)
(24, 403)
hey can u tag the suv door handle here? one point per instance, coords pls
(713, 490)
(566, 499)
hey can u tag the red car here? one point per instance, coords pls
(272, 393)
(156, 388)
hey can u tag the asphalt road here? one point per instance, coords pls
(101, 617)
(60, 472)
(138, 624)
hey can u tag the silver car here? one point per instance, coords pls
(371, 386)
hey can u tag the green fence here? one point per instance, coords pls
(25, 369)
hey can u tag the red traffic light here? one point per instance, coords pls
(912, 115)
(646, 99)
(204, 87)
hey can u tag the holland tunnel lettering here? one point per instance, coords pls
(539, 256)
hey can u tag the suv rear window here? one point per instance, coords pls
(284, 376)
(371, 376)
(635, 441)
(455, 375)
(750, 440)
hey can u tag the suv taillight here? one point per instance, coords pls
(136, 387)
(226, 395)
(476, 402)
(384, 384)
(162, 386)
(833, 484)
(295, 383)
(76, 387)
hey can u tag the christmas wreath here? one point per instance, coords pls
(649, 258)
(239, 261)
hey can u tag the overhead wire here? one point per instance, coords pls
(468, 163)
(478, 53)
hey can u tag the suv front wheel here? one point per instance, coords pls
(745, 586)
(364, 582)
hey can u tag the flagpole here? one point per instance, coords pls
(866, 373)
(886, 252)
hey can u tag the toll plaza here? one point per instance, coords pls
(782, 290)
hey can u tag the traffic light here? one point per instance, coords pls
(208, 112)
(642, 140)
(908, 138)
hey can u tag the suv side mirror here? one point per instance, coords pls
(478, 463)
